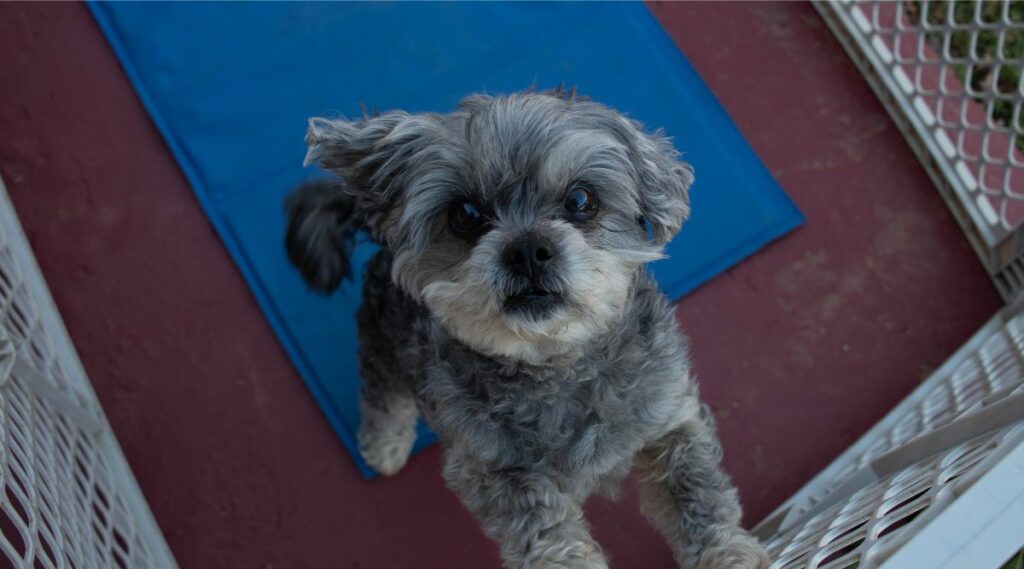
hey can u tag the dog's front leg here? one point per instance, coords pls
(536, 524)
(689, 498)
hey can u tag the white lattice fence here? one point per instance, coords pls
(68, 496)
(950, 74)
(938, 483)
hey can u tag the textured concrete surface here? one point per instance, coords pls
(799, 349)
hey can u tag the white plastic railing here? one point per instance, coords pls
(951, 74)
(67, 495)
(951, 455)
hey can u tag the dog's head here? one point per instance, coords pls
(520, 221)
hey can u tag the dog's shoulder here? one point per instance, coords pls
(648, 338)
(388, 317)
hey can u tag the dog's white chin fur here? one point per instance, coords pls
(471, 310)
(487, 329)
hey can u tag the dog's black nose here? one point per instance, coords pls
(529, 257)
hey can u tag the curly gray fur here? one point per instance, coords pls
(536, 410)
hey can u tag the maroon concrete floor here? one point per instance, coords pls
(800, 349)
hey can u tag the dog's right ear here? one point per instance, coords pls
(371, 155)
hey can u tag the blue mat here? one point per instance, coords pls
(230, 87)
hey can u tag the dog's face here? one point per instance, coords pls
(519, 221)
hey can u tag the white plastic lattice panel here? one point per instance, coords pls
(845, 513)
(950, 74)
(67, 496)
(869, 527)
(982, 376)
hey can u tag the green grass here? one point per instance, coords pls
(984, 74)
(1015, 562)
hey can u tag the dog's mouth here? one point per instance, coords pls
(534, 301)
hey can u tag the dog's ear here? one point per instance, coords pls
(371, 156)
(664, 184)
(320, 234)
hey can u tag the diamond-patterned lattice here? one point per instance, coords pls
(952, 74)
(961, 62)
(879, 514)
(994, 371)
(67, 498)
(988, 369)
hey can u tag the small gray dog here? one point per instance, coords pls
(510, 305)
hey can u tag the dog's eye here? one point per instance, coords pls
(580, 202)
(466, 220)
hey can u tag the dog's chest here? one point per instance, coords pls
(589, 415)
(585, 417)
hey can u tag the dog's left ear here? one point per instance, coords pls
(370, 155)
(665, 182)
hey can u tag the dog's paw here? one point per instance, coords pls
(579, 555)
(386, 450)
(573, 563)
(741, 552)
